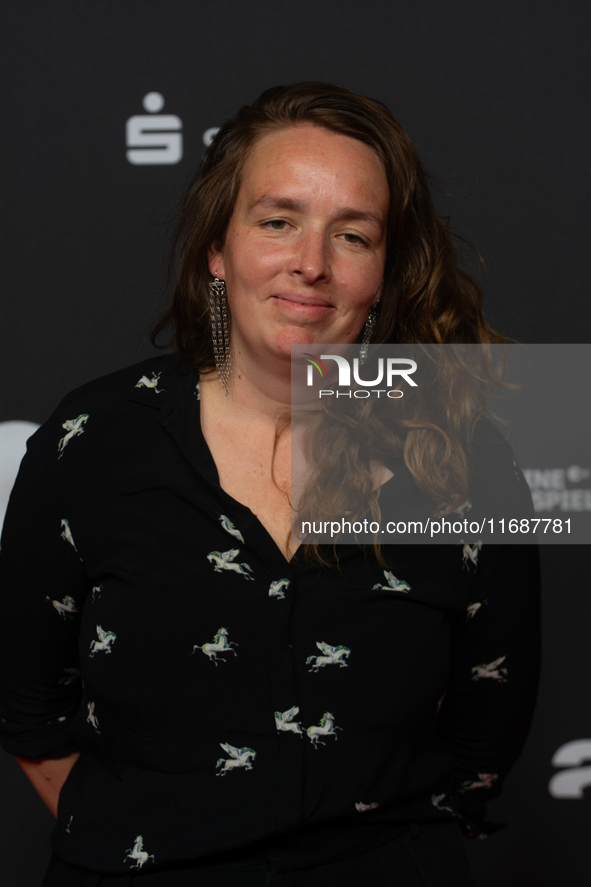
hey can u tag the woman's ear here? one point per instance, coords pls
(215, 261)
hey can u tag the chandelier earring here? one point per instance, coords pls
(368, 330)
(218, 312)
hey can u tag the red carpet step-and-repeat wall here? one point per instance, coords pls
(109, 108)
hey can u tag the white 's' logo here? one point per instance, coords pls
(209, 135)
(570, 783)
(153, 138)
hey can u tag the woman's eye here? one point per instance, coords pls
(277, 224)
(355, 238)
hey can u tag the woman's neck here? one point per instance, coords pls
(254, 389)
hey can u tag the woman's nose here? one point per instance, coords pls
(311, 260)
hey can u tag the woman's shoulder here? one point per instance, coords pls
(496, 479)
(161, 374)
(489, 441)
(109, 399)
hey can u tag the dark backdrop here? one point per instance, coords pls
(494, 95)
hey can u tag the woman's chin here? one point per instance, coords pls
(298, 336)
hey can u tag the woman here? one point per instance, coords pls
(146, 546)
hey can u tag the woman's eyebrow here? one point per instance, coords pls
(361, 215)
(273, 201)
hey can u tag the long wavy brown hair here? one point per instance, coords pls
(427, 298)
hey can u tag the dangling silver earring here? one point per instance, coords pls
(369, 327)
(218, 311)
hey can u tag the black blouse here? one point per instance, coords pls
(221, 696)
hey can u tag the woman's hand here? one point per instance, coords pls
(48, 775)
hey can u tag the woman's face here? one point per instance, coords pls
(303, 258)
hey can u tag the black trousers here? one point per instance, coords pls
(426, 856)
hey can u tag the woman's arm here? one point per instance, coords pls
(43, 586)
(48, 775)
(487, 711)
(495, 664)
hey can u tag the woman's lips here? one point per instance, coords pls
(302, 306)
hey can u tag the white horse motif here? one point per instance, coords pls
(361, 807)
(285, 723)
(485, 780)
(326, 728)
(223, 561)
(220, 644)
(239, 757)
(96, 590)
(91, 718)
(436, 801)
(66, 533)
(66, 607)
(144, 382)
(104, 642)
(69, 825)
(74, 428)
(72, 674)
(230, 528)
(394, 584)
(138, 853)
(463, 509)
(490, 670)
(276, 588)
(472, 609)
(332, 656)
(470, 554)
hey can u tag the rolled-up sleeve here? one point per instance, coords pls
(42, 587)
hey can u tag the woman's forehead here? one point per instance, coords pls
(308, 158)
